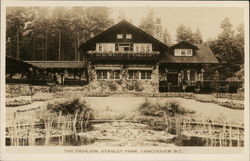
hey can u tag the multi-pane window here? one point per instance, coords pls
(146, 74)
(183, 52)
(105, 47)
(142, 47)
(136, 74)
(119, 36)
(114, 74)
(133, 74)
(102, 74)
(108, 74)
(128, 36)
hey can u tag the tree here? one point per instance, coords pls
(122, 16)
(229, 50)
(33, 35)
(184, 33)
(197, 37)
(166, 37)
(16, 23)
(147, 23)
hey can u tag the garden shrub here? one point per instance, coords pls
(171, 108)
(130, 86)
(112, 85)
(70, 107)
(138, 86)
(16, 103)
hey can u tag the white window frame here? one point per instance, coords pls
(128, 36)
(148, 75)
(102, 74)
(109, 46)
(134, 72)
(178, 52)
(113, 74)
(142, 45)
(119, 36)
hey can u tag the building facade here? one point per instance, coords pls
(126, 59)
(139, 62)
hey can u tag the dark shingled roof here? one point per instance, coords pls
(58, 64)
(123, 22)
(202, 56)
(14, 65)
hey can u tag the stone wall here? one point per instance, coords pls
(124, 85)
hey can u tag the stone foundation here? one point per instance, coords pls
(124, 84)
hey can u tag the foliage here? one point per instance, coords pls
(166, 37)
(171, 109)
(16, 103)
(147, 23)
(138, 86)
(112, 85)
(42, 35)
(70, 107)
(186, 34)
(228, 47)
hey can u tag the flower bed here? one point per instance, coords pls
(228, 104)
(236, 96)
(16, 103)
(16, 90)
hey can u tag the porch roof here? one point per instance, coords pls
(58, 64)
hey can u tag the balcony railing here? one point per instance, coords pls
(124, 55)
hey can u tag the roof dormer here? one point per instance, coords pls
(183, 49)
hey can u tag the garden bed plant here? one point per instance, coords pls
(162, 117)
(15, 103)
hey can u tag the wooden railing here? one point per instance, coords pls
(123, 55)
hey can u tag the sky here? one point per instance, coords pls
(208, 19)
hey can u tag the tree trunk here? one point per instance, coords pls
(34, 47)
(78, 44)
(46, 45)
(59, 46)
(76, 49)
(42, 50)
(17, 44)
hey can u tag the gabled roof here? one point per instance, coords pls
(123, 22)
(203, 55)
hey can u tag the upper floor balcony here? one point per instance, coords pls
(124, 55)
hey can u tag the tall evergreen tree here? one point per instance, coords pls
(184, 33)
(228, 50)
(166, 37)
(147, 23)
(33, 35)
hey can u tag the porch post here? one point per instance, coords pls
(188, 76)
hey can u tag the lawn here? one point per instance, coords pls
(128, 106)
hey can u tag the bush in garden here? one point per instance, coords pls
(112, 85)
(16, 103)
(150, 109)
(138, 86)
(130, 86)
(70, 108)
(171, 108)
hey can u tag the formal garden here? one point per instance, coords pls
(77, 115)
